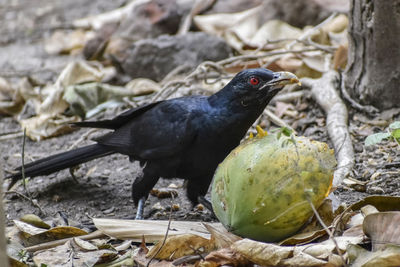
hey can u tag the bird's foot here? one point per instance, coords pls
(140, 208)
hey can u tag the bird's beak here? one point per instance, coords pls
(283, 78)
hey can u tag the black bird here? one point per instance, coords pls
(185, 137)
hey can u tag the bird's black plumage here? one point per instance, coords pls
(184, 137)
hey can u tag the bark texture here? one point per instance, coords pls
(373, 70)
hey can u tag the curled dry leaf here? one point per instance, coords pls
(221, 237)
(234, 27)
(152, 231)
(383, 228)
(33, 235)
(180, 245)
(66, 42)
(11, 101)
(264, 254)
(70, 254)
(389, 256)
(49, 120)
(34, 220)
(223, 257)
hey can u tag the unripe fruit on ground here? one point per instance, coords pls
(263, 187)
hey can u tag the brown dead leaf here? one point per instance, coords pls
(65, 42)
(303, 238)
(33, 235)
(11, 101)
(388, 256)
(153, 230)
(70, 254)
(142, 86)
(34, 220)
(44, 126)
(221, 237)
(181, 245)
(264, 254)
(225, 256)
(236, 28)
(49, 120)
(340, 57)
(383, 228)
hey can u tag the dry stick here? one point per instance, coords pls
(327, 231)
(288, 97)
(8, 136)
(268, 54)
(309, 32)
(275, 119)
(55, 243)
(166, 234)
(82, 138)
(324, 92)
(29, 197)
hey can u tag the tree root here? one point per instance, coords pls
(324, 91)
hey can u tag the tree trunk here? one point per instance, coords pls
(373, 70)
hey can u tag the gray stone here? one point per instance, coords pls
(155, 58)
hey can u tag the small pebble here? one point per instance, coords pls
(157, 206)
(108, 211)
(375, 190)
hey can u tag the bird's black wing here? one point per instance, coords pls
(118, 121)
(163, 131)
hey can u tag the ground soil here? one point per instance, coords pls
(103, 187)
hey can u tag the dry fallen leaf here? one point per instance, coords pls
(152, 231)
(180, 245)
(388, 256)
(223, 257)
(70, 254)
(264, 254)
(235, 28)
(66, 42)
(383, 228)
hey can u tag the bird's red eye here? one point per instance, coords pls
(254, 81)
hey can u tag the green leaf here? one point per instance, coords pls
(395, 125)
(376, 138)
(396, 133)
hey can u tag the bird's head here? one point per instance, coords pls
(258, 86)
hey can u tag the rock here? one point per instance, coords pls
(146, 20)
(152, 19)
(375, 190)
(155, 58)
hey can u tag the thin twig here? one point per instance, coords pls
(28, 195)
(23, 166)
(327, 231)
(82, 138)
(8, 136)
(275, 119)
(268, 54)
(55, 243)
(166, 234)
(309, 32)
(26, 198)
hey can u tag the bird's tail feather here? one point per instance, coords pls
(60, 161)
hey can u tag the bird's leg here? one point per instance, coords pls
(141, 188)
(140, 208)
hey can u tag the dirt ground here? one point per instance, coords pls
(103, 186)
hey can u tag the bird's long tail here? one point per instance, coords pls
(60, 161)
